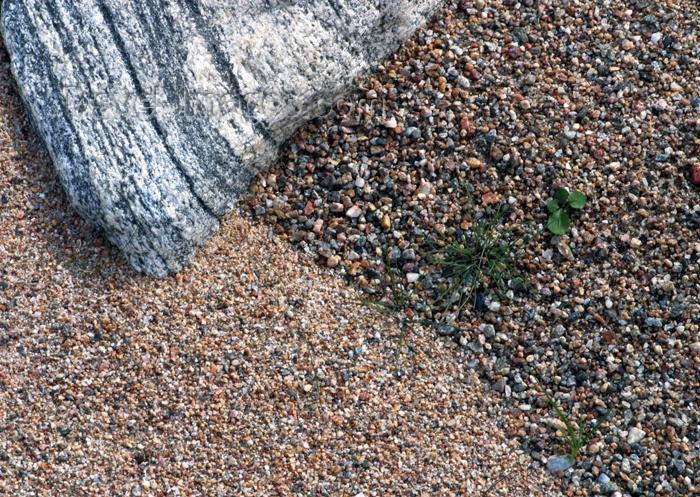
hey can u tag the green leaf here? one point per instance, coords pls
(597, 426)
(558, 223)
(553, 206)
(577, 200)
(381, 307)
(561, 195)
(564, 419)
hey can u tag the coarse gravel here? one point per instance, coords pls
(254, 372)
(508, 101)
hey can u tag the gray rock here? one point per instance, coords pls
(447, 330)
(475, 347)
(559, 463)
(500, 385)
(678, 310)
(679, 466)
(158, 114)
(608, 487)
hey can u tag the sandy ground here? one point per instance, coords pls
(254, 372)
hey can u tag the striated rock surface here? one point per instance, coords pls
(157, 113)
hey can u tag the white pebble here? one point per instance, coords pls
(635, 435)
(354, 212)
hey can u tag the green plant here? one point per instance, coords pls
(362, 467)
(495, 482)
(561, 207)
(576, 439)
(485, 256)
(396, 308)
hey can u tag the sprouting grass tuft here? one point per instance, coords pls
(484, 257)
(576, 439)
(397, 308)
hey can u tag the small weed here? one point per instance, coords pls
(484, 257)
(561, 207)
(575, 438)
(363, 466)
(352, 493)
(397, 308)
(495, 482)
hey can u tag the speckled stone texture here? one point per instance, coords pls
(157, 114)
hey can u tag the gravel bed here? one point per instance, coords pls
(509, 101)
(252, 373)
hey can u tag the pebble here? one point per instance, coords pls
(608, 487)
(559, 463)
(474, 163)
(386, 222)
(695, 174)
(354, 212)
(653, 322)
(635, 435)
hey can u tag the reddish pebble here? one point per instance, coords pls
(308, 208)
(695, 174)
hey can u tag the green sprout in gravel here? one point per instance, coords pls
(397, 308)
(561, 207)
(576, 439)
(486, 256)
(361, 469)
